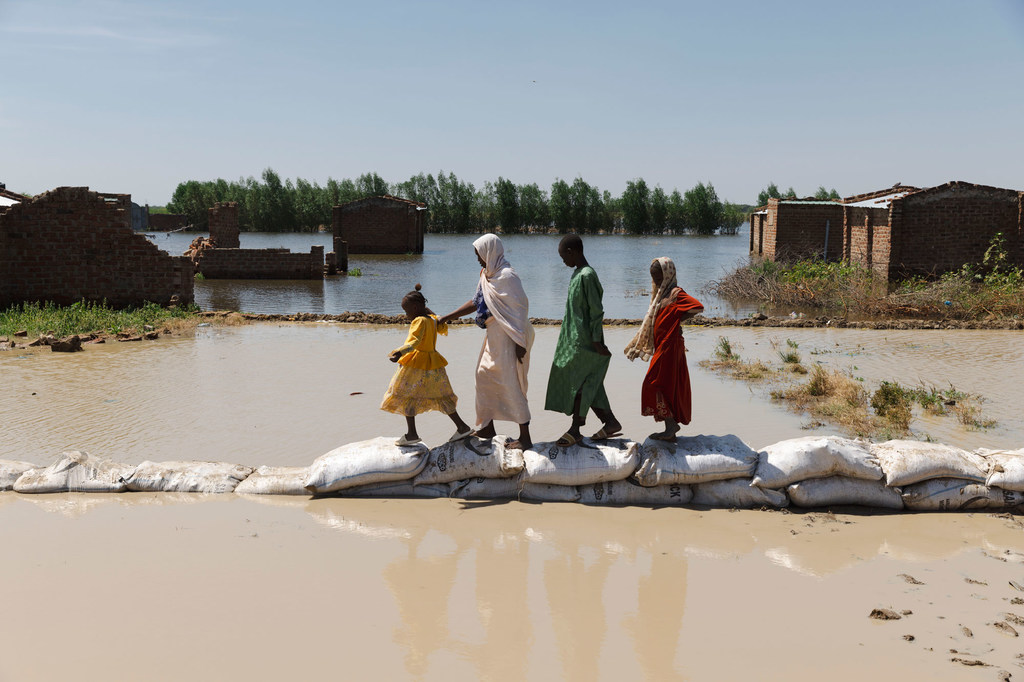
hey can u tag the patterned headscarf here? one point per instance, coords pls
(642, 345)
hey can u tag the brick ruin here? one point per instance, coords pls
(898, 232)
(225, 260)
(383, 224)
(71, 244)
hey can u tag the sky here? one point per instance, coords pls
(136, 97)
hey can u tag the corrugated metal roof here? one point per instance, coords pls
(883, 200)
(812, 202)
(4, 201)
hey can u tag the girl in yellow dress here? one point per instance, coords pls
(421, 383)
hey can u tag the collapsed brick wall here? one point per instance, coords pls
(220, 263)
(71, 244)
(942, 228)
(165, 222)
(379, 225)
(223, 218)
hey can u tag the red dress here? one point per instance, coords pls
(666, 388)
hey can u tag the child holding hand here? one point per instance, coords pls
(420, 383)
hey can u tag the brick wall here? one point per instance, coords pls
(70, 244)
(164, 222)
(261, 264)
(758, 227)
(379, 225)
(223, 218)
(940, 229)
(799, 229)
(860, 224)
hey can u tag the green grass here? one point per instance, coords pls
(355, 272)
(83, 318)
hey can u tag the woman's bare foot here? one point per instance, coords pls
(487, 432)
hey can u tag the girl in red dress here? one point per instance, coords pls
(665, 393)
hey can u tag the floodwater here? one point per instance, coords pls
(283, 394)
(448, 271)
(175, 586)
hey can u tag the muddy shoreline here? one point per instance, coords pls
(698, 321)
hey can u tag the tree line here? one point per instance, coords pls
(772, 192)
(456, 206)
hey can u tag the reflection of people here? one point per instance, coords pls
(420, 383)
(665, 393)
(503, 310)
(576, 382)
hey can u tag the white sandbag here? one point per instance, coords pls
(835, 490)
(11, 471)
(514, 488)
(629, 492)
(76, 472)
(737, 493)
(274, 481)
(581, 464)
(695, 459)
(909, 461)
(470, 458)
(187, 477)
(396, 489)
(1005, 468)
(800, 459)
(369, 461)
(955, 494)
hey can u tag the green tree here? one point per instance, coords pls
(676, 213)
(371, 185)
(506, 197)
(769, 192)
(659, 210)
(561, 206)
(634, 202)
(703, 209)
(533, 206)
(825, 194)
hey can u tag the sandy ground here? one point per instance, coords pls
(171, 587)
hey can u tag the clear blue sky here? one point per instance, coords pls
(138, 96)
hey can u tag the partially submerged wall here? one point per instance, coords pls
(379, 225)
(223, 218)
(219, 263)
(71, 244)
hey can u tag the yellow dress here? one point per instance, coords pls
(420, 383)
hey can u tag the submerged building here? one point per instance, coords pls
(382, 224)
(897, 232)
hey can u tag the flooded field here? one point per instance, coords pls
(230, 587)
(449, 271)
(285, 394)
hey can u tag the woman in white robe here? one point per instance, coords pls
(502, 309)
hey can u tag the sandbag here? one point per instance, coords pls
(274, 481)
(396, 489)
(470, 458)
(187, 477)
(11, 471)
(581, 464)
(76, 471)
(800, 459)
(629, 492)
(737, 493)
(369, 461)
(514, 488)
(695, 459)
(909, 461)
(835, 490)
(955, 494)
(1005, 468)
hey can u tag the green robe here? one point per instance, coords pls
(577, 367)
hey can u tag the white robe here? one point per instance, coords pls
(501, 383)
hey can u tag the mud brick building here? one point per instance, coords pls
(383, 224)
(897, 232)
(71, 244)
(227, 261)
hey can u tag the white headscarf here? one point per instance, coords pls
(503, 291)
(642, 345)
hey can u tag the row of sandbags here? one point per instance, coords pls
(715, 471)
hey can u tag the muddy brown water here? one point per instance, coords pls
(170, 587)
(283, 394)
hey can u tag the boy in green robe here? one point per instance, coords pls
(576, 382)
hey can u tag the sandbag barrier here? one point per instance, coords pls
(706, 471)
